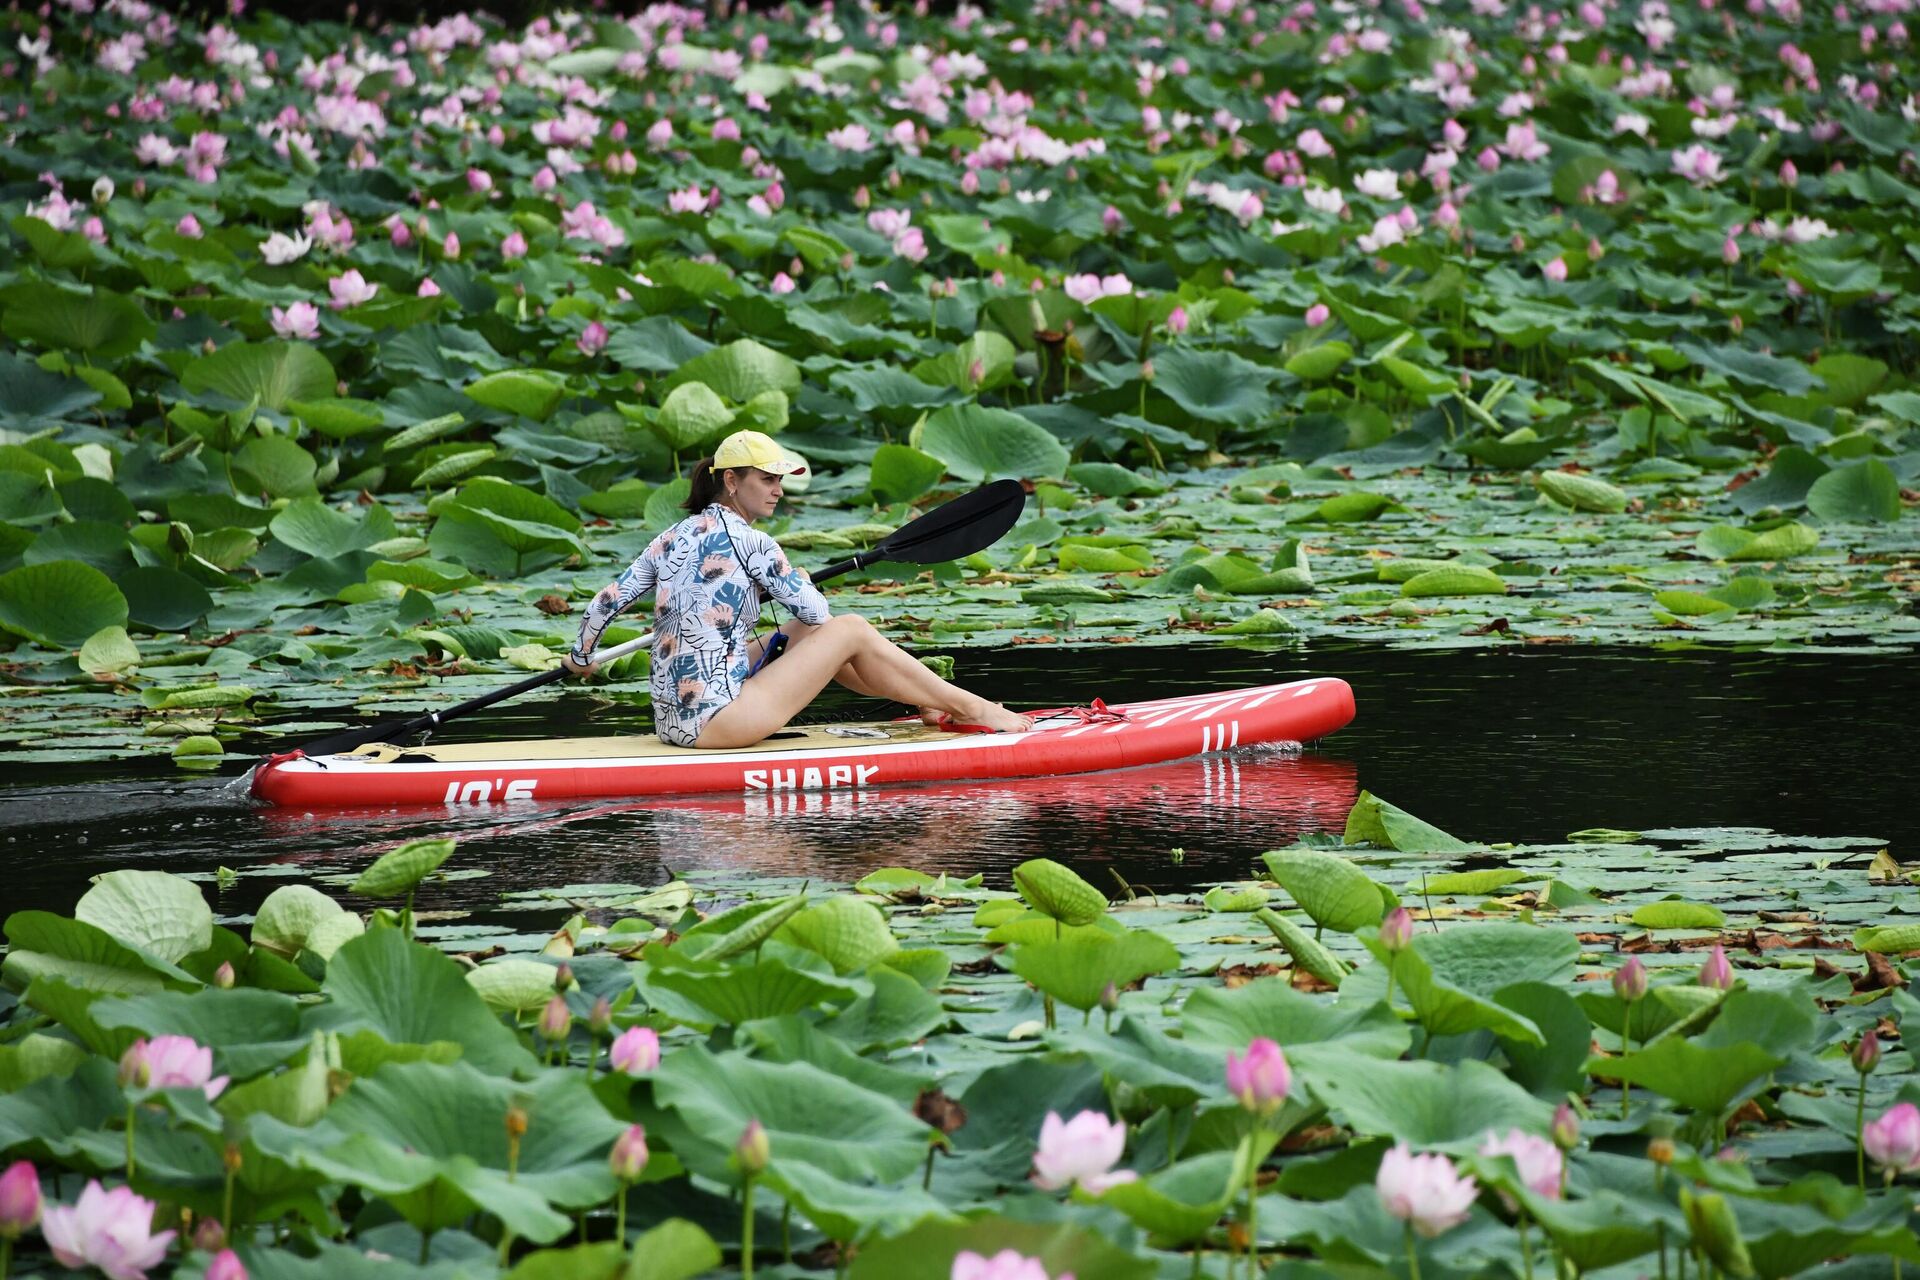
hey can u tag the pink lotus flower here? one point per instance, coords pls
(852, 137)
(781, 283)
(545, 180)
(660, 133)
(1313, 143)
(1086, 288)
(1260, 1079)
(479, 181)
(690, 200)
(301, 320)
(1729, 251)
(1789, 174)
(1488, 159)
(1698, 164)
(1717, 972)
(593, 339)
(1317, 315)
(171, 1062)
(1539, 1160)
(111, 1230)
(427, 289)
(226, 1265)
(911, 244)
(1630, 979)
(351, 290)
(188, 226)
(1177, 321)
(450, 247)
(1556, 270)
(1082, 1150)
(514, 246)
(280, 248)
(1004, 1265)
(19, 1199)
(635, 1051)
(726, 129)
(1425, 1190)
(629, 1156)
(1893, 1140)
(1396, 931)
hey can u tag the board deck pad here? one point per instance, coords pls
(827, 757)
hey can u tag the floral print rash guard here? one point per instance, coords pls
(706, 605)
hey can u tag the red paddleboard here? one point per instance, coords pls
(816, 758)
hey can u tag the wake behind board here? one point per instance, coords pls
(825, 757)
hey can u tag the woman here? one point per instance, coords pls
(710, 686)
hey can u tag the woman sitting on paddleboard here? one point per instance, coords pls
(709, 572)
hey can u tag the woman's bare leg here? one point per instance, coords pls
(780, 691)
(846, 677)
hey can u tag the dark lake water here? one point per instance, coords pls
(1490, 744)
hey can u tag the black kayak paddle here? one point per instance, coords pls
(971, 522)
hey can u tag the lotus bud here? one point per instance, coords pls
(1660, 1151)
(1729, 251)
(562, 977)
(1630, 980)
(1177, 321)
(102, 189)
(628, 1160)
(1261, 1078)
(1566, 1127)
(976, 372)
(1866, 1053)
(1595, 250)
(226, 1265)
(1892, 1140)
(753, 1150)
(451, 245)
(516, 1122)
(1316, 315)
(135, 1070)
(19, 1199)
(223, 976)
(635, 1051)
(1717, 972)
(1146, 371)
(862, 198)
(1789, 174)
(209, 1235)
(556, 1020)
(1109, 997)
(600, 1018)
(208, 347)
(846, 262)
(1396, 931)
(1738, 325)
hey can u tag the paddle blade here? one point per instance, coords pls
(971, 522)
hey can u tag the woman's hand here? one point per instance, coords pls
(578, 670)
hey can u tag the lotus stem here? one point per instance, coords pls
(1660, 1234)
(746, 1232)
(1526, 1251)
(130, 1143)
(786, 1230)
(6, 1257)
(1391, 957)
(1859, 1135)
(426, 1246)
(1413, 1256)
(506, 1244)
(1626, 1049)
(620, 1217)
(926, 1175)
(1253, 1217)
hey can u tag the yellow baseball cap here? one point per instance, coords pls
(757, 449)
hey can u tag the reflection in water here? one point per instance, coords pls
(1221, 809)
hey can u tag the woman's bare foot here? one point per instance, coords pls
(992, 715)
(932, 715)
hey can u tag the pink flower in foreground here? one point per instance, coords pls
(19, 1199)
(781, 283)
(635, 1051)
(1004, 1265)
(1261, 1078)
(1538, 1159)
(301, 320)
(1317, 315)
(1556, 270)
(427, 289)
(226, 1265)
(111, 1230)
(592, 339)
(1893, 1140)
(1082, 1150)
(351, 289)
(514, 246)
(1425, 1190)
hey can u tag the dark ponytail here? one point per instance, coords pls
(708, 487)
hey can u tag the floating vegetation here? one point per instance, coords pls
(1630, 1051)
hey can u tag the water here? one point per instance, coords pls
(1490, 744)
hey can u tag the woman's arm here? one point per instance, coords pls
(768, 565)
(607, 604)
